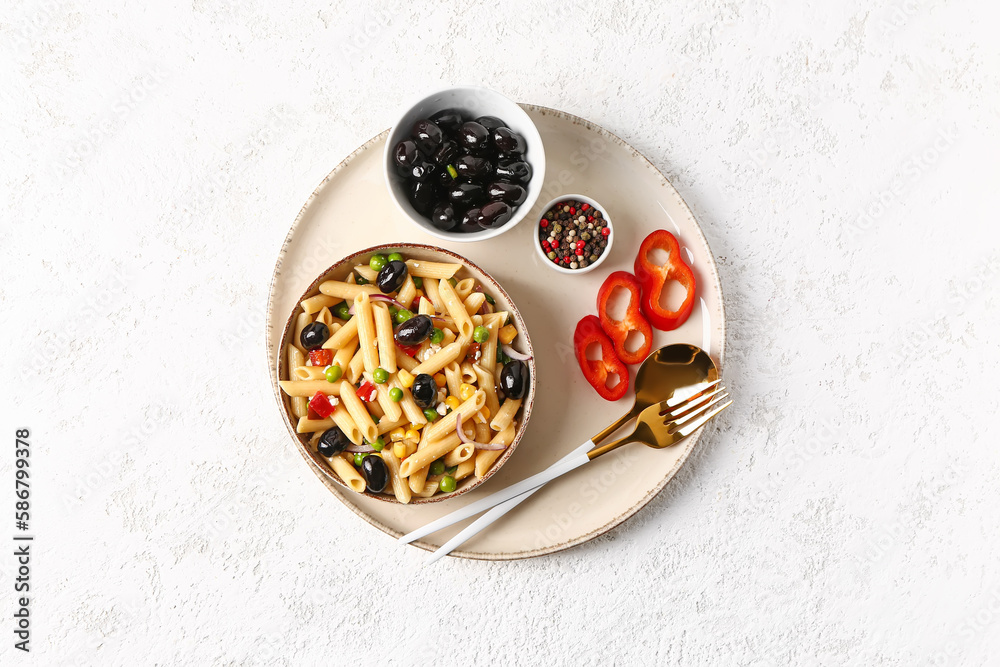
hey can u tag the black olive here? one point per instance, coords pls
(508, 142)
(415, 330)
(376, 474)
(511, 193)
(406, 153)
(467, 194)
(445, 153)
(444, 217)
(427, 136)
(469, 222)
(423, 196)
(423, 170)
(314, 335)
(424, 391)
(514, 379)
(473, 168)
(491, 122)
(493, 215)
(517, 171)
(473, 137)
(391, 277)
(332, 442)
(448, 119)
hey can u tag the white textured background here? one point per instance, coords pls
(842, 158)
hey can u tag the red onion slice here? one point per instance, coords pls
(514, 354)
(379, 297)
(469, 441)
(359, 449)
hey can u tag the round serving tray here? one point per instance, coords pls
(351, 209)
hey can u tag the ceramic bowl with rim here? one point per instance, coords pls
(538, 242)
(340, 271)
(473, 102)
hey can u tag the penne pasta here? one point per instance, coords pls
(489, 348)
(505, 415)
(300, 406)
(409, 407)
(407, 292)
(358, 412)
(390, 409)
(468, 373)
(343, 336)
(453, 378)
(483, 432)
(356, 367)
(308, 388)
(345, 290)
(326, 317)
(300, 323)
(417, 479)
(461, 453)
(431, 289)
(399, 485)
(309, 373)
(366, 272)
(344, 355)
(367, 343)
(464, 288)
(438, 270)
(425, 307)
(431, 452)
(447, 424)
(474, 302)
(485, 458)
(486, 383)
(405, 361)
(314, 304)
(439, 360)
(430, 488)
(465, 468)
(453, 306)
(383, 333)
(307, 425)
(386, 425)
(342, 418)
(348, 473)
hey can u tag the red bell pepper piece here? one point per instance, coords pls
(618, 330)
(320, 404)
(408, 350)
(321, 357)
(654, 278)
(367, 392)
(596, 371)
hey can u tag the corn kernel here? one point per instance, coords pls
(507, 334)
(466, 391)
(416, 427)
(440, 380)
(412, 434)
(405, 378)
(399, 450)
(452, 402)
(397, 434)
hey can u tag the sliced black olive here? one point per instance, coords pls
(473, 137)
(391, 277)
(467, 194)
(473, 168)
(508, 142)
(511, 193)
(427, 136)
(376, 474)
(415, 330)
(491, 122)
(447, 152)
(406, 153)
(444, 216)
(423, 196)
(514, 379)
(314, 335)
(332, 442)
(493, 215)
(517, 171)
(448, 119)
(424, 391)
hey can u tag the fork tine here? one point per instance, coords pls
(694, 402)
(680, 421)
(677, 399)
(698, 423)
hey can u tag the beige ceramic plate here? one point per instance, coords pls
(351, 210)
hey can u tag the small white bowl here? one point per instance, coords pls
(593, 204)
(473, 102)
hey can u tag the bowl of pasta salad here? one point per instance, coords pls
(406, 373)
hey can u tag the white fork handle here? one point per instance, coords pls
(574, 460)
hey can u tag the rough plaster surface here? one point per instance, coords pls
(842, 158)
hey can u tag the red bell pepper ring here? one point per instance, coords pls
(597, 371)
(321, 357)
(367, 392)
(320, 404)
(654, 278)
(618, 330)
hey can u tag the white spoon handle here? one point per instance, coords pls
(574, 460)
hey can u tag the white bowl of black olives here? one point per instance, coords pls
(464, 164)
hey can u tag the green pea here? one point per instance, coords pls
(341, 310)
(437, 467)
(451, 470)
(361, 280)
(437, 336)
(392, 312)
(490, 300)
(418, 283)
(395, 394)
(377, 262)
(395, 257)
(333, 373)
(359, 458)
(453, 282)
(380, 375)
(402, 315)
(378, 445)
(480, 334)
(431, 414)
(375, 419)
(448, 484)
